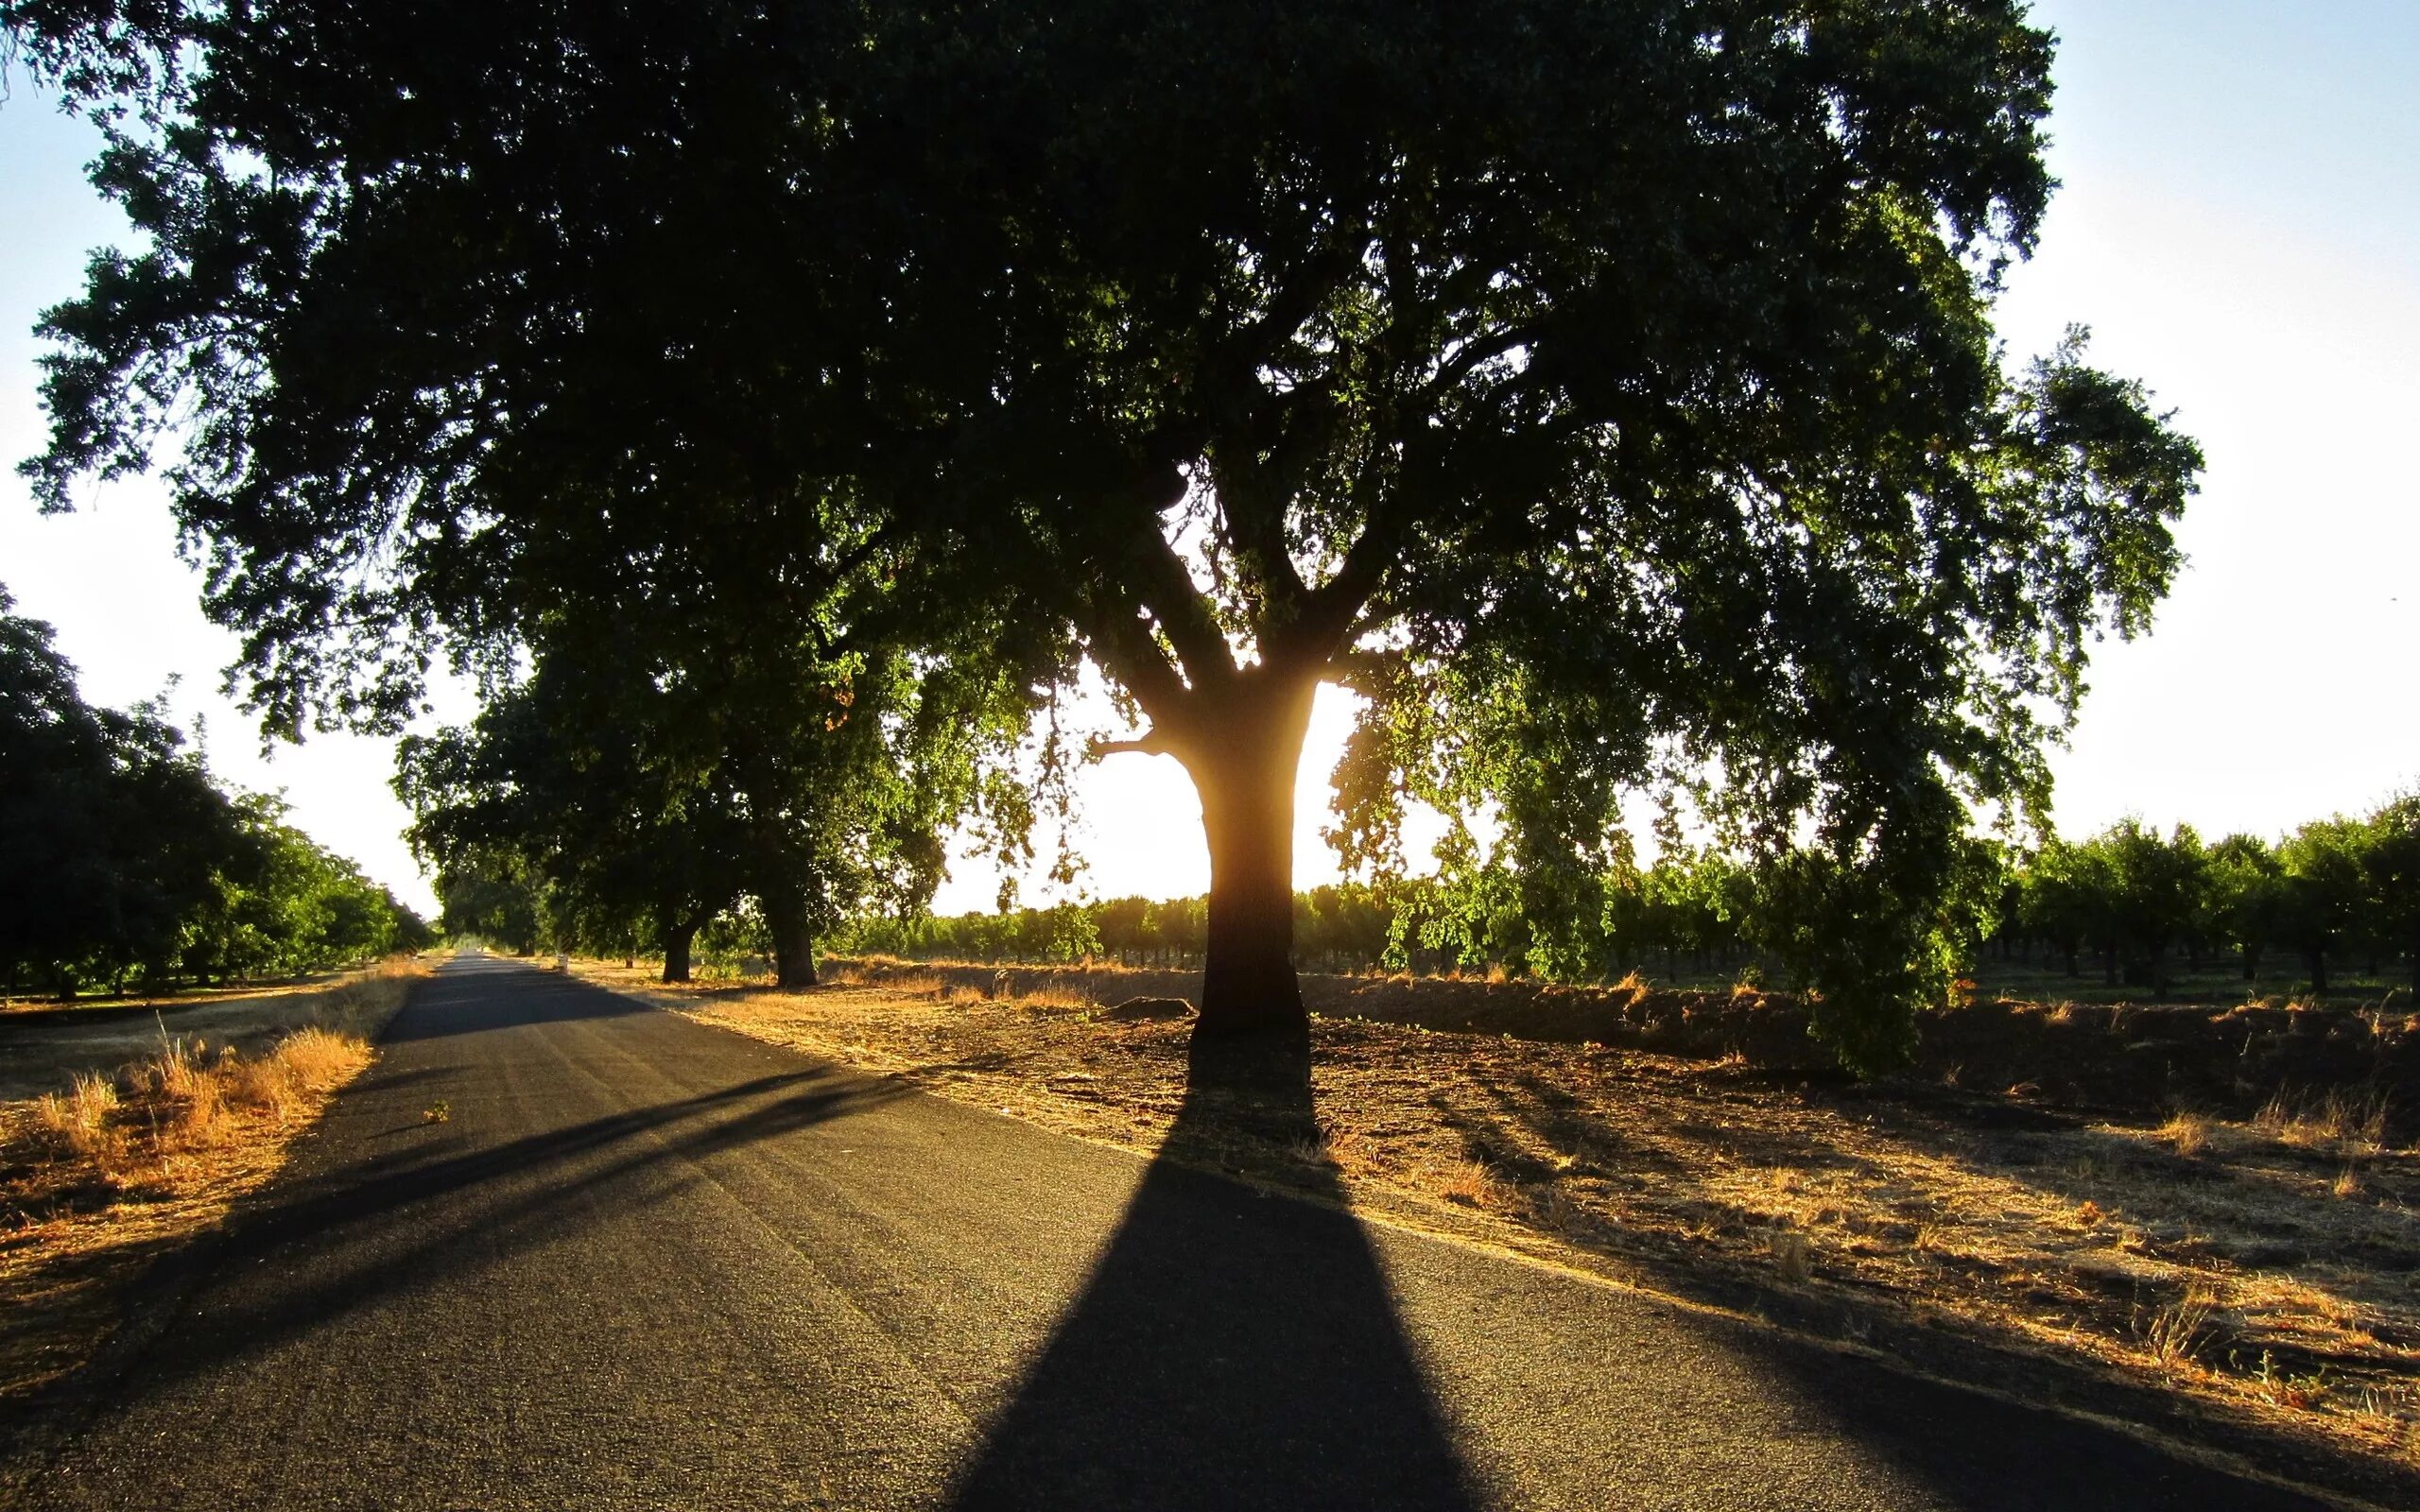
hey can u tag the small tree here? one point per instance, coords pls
(2246, 899)
(2158, 891)
(2064, 891)
(2392, 859)
(2326, 894)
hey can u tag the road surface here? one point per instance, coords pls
(650, 1264)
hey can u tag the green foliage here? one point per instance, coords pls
(122, 858)
(1605, 389)
(2131, 895)
(2244, 906)
(662, 759)
(2333, 886)
(2328, 903)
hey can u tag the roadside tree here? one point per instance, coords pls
(1606, 391)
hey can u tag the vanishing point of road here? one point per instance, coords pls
(648, 1263)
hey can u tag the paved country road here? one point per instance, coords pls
(648, 1263)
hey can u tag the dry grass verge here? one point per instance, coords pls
(2261, 1271)
(135, 1158)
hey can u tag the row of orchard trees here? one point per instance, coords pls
(2134, 903)
(2336, 890)
(124, 862)
(1689, 914)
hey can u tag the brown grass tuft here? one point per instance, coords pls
(78, 1122)
(2188, 1134)
(2174, 1336)
(1054, 995)
(1472, 1183)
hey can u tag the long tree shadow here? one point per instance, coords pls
(1228, 1350)
(342, 1221)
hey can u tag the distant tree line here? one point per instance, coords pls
(2128, 905)
(124, 862)
(2138, 903)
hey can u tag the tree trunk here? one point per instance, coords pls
(677, 941)
(786, 915)
(1243, 769)
(2318, 970)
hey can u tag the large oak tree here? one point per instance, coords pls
(1606, 388)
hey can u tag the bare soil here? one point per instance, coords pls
(2203, 1219)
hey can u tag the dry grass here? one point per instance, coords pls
(2188, 1134)
(136, 1158)
(2187, 1253)
(2349, 1120)
(1788, 1248)
(1472, 1184)
(2174, 1335)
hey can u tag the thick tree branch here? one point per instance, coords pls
(1182, 612)
(1150, 743)
(1125, 648)
(1330, 611)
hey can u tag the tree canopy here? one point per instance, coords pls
(122, 858)
(667, 756)
(1606, 390)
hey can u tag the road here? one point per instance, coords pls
(646, 1263)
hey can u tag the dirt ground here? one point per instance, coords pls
(2244, 1261)
(184, 1109)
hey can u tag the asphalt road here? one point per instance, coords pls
(650, 1264)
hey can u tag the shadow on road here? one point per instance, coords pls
(337, 1248)
(461, 1001)
(1181, 1379)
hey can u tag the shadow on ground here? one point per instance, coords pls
(1181, 1380)
(1233, 1350)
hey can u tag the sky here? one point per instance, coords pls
(2238, 225)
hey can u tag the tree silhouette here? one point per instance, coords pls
(1606, 390)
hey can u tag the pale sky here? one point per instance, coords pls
(2242, 202)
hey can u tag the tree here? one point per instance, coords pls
(121, 856)
(2391, 858)
(493, 894)
(2246, 897)
(111, 832)
(2158, 891)
(590, 773)
(2325, 893)
(1606, 390)
(672, 752)
(2064, 892)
